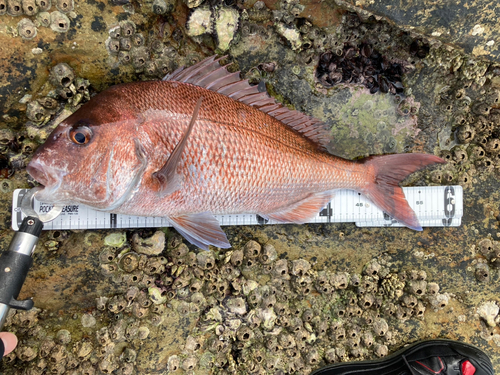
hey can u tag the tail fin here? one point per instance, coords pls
(389, 171)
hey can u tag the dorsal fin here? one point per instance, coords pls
(211, 75)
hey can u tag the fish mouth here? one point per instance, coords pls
(50, 179)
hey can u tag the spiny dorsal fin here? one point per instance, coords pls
(211, 75)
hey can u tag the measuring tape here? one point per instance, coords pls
(435, 206)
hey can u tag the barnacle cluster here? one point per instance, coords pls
(470, 143)
(257, 312)
(47, 111)
(38, 11)
(261, 313)
(89, 348)
(44, 110)
(150, 57)
(488, 260)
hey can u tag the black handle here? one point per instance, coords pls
(14, 268)
(16, 263)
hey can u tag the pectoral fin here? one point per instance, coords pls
(302, 211)
(167, 177)
(201, 230)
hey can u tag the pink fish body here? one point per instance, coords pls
(200, 143)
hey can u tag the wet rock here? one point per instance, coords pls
(466, 27)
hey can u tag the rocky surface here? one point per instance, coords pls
(470, 25)
(129, 302)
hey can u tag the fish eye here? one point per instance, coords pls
(81, 135)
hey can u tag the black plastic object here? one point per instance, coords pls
(430, 357)
(31, 225)
(14, 268)
(15, 264)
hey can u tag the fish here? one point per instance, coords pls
(203, 142)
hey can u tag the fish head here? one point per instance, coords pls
(91, 157)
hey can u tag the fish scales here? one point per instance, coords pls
(237, 159)
(176, 149)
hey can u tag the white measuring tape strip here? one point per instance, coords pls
(435, 206)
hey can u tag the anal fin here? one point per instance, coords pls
(201, 229)
(302, 211)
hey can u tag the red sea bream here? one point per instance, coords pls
(203, 142)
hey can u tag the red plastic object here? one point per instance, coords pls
(468, 368)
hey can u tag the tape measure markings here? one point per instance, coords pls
(433, 205)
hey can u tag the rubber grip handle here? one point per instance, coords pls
(14, 268)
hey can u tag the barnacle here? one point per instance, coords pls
(372, 268)
(35, 111)
(63, 336)
(14, 8)
(26, 28)
(65, 6)
(113, 45)
(108, 364)
(159, 7)
(129, 262)
(124, 57)
(417, 287)
(155, 266)
(59, 22)
(432, 288)
(380, 326)
(139, 311)
(117, 304)
(43, 5)
(252, 249)
(139, 58)
(125, 44)
(340, 280)
(27, 353)
(30, 7)
(482, 272)
(205, 260)
(173, 363)
(58, 353)
(438, 300)
(236, 306)
(381, 350)
(300, 267)
(3, 7)
(157, 295)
